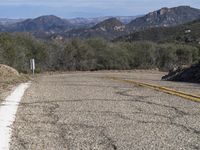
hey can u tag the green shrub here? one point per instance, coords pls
(17, 49)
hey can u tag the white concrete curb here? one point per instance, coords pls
(8, 111)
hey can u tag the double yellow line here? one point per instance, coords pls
(187, 96)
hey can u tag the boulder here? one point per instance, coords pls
(184, 74)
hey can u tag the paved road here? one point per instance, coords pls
(83, 111)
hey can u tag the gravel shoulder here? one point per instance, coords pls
(82, 111)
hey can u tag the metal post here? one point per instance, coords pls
(32, 64)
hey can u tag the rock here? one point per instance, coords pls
(184, 74)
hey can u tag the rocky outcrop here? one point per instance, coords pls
(185, 74)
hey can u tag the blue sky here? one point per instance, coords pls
(85, 8)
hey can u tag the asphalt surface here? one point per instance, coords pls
(85, 111)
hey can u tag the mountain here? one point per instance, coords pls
(105, 27)
(44, 23)
(52, 26)
(52, 23)
(109, 25)
(187, 33)
(165, 17)
(90, 22)
(108, 29)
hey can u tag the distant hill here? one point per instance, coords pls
(186, 33)
(112, 28)
(46, 27)
(90, 22)
(53, 27)
(108, 29)
(165, 17)
(54, 24)
(44, 23)
(112, 24)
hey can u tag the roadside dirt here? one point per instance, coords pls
(9, 78)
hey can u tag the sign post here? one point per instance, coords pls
(32, 63)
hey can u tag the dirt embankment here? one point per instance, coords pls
(187, 74)
(6, 71)
(9, 77)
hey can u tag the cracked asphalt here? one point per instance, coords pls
(85, 111)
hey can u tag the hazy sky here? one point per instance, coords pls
(85, 8)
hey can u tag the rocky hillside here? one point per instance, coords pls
(188, 33)
(165, 17)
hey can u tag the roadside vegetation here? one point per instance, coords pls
(92, 54)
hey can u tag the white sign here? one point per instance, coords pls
(32, 63)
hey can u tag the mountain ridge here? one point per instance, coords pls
(107, 29)
(188, 33)
(74, 23)
(165, 17)
(42, 23)
(53, 27)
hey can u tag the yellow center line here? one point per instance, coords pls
(185, 95)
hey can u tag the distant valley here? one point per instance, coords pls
(6, 21)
